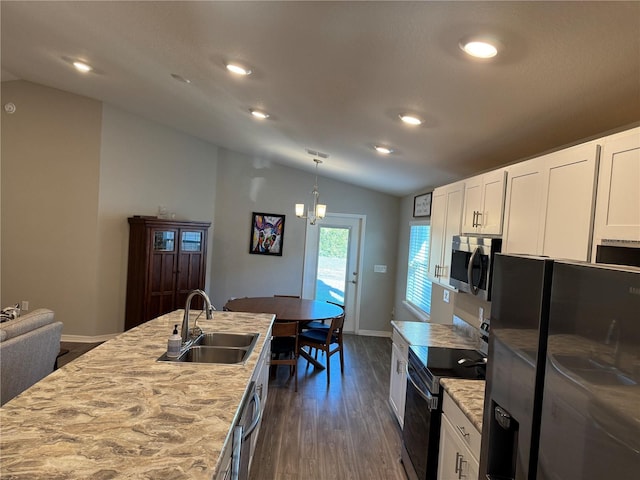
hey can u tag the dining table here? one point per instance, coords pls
(289, 309)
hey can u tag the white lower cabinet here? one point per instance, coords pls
(398, 380)
(261, 379)
(459, 444)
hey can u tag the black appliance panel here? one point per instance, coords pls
(513, 392)
(423, 407)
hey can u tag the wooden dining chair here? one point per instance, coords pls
(321, 340)
(284, 342)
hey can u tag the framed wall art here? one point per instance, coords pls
(422, 205)
(267, 233)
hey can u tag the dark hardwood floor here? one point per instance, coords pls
(69, 351)
(345, 431)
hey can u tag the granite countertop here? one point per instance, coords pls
(117, 412)
(433, 335)
(469, 396)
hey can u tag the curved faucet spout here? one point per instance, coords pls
(187, 307)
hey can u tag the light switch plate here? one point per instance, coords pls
(445, 296)
(380, 268)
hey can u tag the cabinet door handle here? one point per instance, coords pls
(458, 458)
(463, 432)
(473, 223)
(460, 474)
(479, 216)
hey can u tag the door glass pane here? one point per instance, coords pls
(191, 241)
(164, 241)
(332, 264)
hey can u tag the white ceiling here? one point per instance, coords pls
(335, 76)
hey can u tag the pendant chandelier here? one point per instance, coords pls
(317, 210)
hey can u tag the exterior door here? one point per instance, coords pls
(333, 252)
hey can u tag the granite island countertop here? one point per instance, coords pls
(117, 412)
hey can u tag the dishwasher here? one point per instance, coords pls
(242, 434)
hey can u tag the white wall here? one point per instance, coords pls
(50, 177)
(74, 169)
(144, 165)
(248, 184)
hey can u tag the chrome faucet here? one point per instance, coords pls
(187, 307)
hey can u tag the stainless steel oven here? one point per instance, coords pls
(471, 263)
(423, 408)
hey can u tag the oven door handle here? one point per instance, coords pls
(474, 289)
(432, 402)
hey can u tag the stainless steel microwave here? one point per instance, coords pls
(471, 263)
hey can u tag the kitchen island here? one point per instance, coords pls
(116, 412)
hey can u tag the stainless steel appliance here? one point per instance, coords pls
(242, 434)
(563, 376)
(472, 262)
(513, 391)
(423, 409)
(590, 420)
(618, 252)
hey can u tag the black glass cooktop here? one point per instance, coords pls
(434, 363)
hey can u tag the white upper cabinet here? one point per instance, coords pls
(484, 203)
(549, 204)
(569, 192)
(523, 212)
(618, 201)
(446, 215)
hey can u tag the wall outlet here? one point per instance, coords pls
(24, 305)
(445, 296)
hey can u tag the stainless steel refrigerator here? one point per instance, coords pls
(562, 399)
(590, 419)
(515, 366)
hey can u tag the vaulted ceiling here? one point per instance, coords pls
(334, 76)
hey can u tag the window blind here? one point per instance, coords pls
(418, 284)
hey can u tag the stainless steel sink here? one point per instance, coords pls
(220, 339)
(199, 354)
(221, 348)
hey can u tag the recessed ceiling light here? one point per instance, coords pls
(383, 150)
(479, 49)
(238, 69)
(410, 119)
(82, 66)
(259, 114)
(180, 78)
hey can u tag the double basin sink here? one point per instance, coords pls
(217, 347)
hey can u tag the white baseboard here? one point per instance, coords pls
(374, 333)
(86, 339)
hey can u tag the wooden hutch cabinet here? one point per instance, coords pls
(167, 259)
